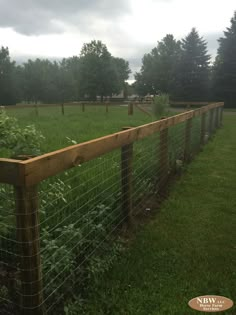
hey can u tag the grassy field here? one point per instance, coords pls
(77, 125)
(188, 249)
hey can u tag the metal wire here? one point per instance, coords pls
(82, 213)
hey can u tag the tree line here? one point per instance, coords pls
(180, 68)
(95, 72)
(183, 69)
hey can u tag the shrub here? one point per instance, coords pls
(19, 141)
(160, 105)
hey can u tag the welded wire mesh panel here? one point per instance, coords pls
(79, 212)
(145, 172)
(71, 223)
(195, 135)
(9, 256)
(176, 145)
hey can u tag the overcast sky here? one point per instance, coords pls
(129, 28)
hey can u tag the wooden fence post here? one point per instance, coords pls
(163, 157)
(203, 128)
(28, 237)
(62, 109)
(130, 108)
(187, 145)
(126, 180)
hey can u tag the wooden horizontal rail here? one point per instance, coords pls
(10, 172)
(39, 168)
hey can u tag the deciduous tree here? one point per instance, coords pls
(158, 72)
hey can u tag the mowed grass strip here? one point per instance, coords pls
(188, 250)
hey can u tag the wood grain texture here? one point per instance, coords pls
(11, 171)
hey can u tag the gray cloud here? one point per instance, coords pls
(34, 17)
(212, 41)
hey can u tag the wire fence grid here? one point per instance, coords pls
(81, 214)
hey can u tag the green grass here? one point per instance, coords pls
(188, 249)
(77, 125)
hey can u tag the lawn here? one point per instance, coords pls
(77, 125)
(189, 247)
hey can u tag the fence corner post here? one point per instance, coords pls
(126, 180)
(28, 238)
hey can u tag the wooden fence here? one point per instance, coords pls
(25, 175)
(61, 106)
(106, 105)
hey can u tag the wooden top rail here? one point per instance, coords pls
(35, 170)
(10, 172)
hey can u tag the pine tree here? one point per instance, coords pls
(224, 74)
(193, 71)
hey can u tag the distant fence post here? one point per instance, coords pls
(187, 142)
(203, 128)
(126, 180)
(83, 107)
(163, 156)
(36, 109)
(106, 107)
(62, 109)
(130, 108)
(28, 237)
